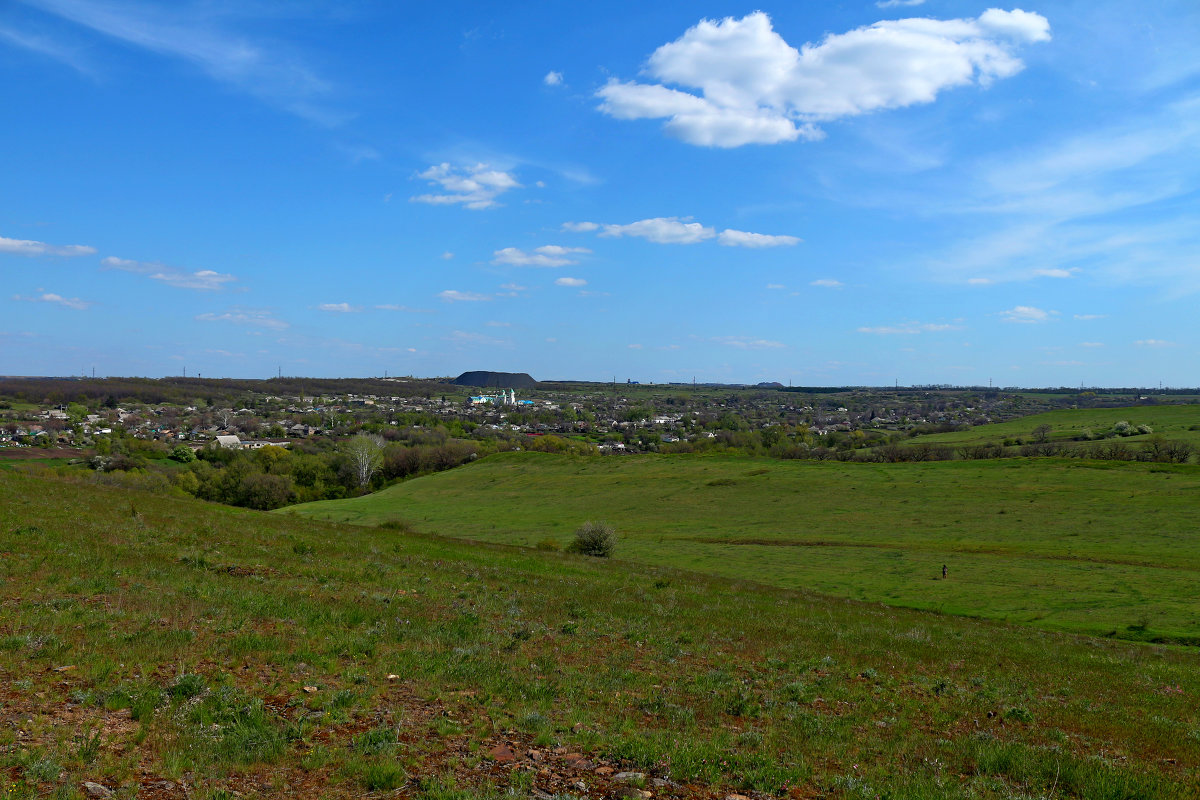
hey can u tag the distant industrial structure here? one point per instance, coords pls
(506, 397)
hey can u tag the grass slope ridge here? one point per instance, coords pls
(1103, 548)
(1179, 422)
(167, 648)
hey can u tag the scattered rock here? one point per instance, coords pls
(577, 727)
(736, 797)
(309, 689)
(536, 755)
(577, 760)
(392, 677)
(604, 770)
(67, 668)
(95, 790)
(661, 783)
(502, 754)
(632, 777)
(580, 785)
(633, 792)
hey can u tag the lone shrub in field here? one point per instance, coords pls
(594, 539)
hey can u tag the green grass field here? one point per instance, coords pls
(1181, 422)
(163, 647)
(1101, 548)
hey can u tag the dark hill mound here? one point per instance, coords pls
(497, 380)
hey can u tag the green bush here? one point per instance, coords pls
(594, 539)
(183, 454)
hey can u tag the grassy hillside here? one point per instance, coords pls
(161, 647)
(1180, 422)
(1108, 549)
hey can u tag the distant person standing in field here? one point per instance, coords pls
(943, 571)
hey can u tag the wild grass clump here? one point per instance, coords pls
(594, 539)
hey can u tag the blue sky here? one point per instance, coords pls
(815, 193)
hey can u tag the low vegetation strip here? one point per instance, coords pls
(163, 647)
(1058, 544)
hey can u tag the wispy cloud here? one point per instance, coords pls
(550, 255)
(682, 230)
(254, 318)
(827, 283)
(1078, 205)
(57, 299)
(1154, 343)
(26, 247)
(455, 296)
(43, 45)
(203, 34)
(910, 328)
(570, 282)
(748, 343)
(475, 187)
(340, 308)
(406, 309)
(471, 337)
(204, 280)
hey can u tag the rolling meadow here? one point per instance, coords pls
(1107, 549)
(153, 645)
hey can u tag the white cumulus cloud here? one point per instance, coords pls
(27, 247)
(474, 187)
(553, 78)
(1027, 314)
(743, 84)
(732, 238)
(570, 282)
(550, 255)
(580, 227)
(663, 230)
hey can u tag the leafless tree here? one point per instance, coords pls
(366, 455)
